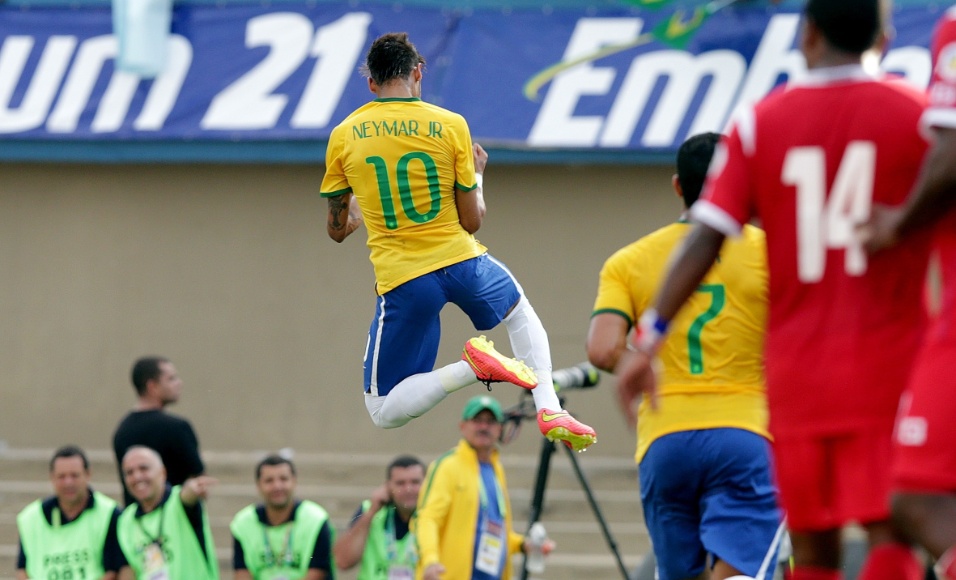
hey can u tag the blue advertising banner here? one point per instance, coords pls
(610, 80)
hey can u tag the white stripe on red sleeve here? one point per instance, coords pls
(709, 214)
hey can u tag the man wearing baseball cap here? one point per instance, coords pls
(464, 523)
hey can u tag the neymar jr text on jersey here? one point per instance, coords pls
(395, 128)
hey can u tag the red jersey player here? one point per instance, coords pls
(925, 469)
(844, 327)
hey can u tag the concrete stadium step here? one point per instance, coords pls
(339, 482)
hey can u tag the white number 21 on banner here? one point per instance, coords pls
(827, 221)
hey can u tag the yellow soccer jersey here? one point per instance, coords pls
(402, 159)
(712, 359)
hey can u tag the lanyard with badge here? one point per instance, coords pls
(288, 557)
(492, 542)
(404, 568)
(57, 517)
(154, 561)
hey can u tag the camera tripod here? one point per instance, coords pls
(525, 410)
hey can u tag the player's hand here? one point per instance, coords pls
(635, 377)
(879, 231)
(380, 497)
(481, 158)
(434, 572)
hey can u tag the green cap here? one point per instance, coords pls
(478, 404)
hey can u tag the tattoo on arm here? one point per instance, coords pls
(338, 212)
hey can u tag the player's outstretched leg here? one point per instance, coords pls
(529, 341)
(491, 366)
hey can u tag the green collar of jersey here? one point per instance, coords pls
(398, 100)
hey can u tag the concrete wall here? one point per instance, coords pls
(228, 271)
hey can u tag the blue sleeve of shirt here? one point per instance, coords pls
(356, 516)
(112, 554)
(194, 514)
(21, 558)
(238, 556)
(322, 553)
(121, 559)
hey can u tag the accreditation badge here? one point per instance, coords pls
(490, 546)
(155, 562)
(400, 573)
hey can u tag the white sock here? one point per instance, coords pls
(529, 343)
(457, 375)
(418, 394)
(945, 564)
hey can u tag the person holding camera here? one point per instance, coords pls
(378, 537)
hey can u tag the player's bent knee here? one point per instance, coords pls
(380, 422)
(380, 417)
(386, 424)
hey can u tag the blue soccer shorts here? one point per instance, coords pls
(403, 338)
(710, 493)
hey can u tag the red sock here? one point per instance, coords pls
(810, 573)
(892, 561)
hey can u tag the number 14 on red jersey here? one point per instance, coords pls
(828, 221)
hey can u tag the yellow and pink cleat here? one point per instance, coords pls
(561, 426)
(491, 366)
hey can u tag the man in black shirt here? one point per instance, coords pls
(157, 385)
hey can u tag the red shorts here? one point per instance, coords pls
(828, 481)
(925, 435)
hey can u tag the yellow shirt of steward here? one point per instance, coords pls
(712, 359)
(447, 516)
(402, 159)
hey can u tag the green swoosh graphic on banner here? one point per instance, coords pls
(653, 4)
(675, 32)
(535, 83)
